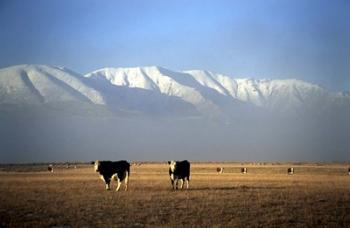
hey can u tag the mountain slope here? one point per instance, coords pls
(163, 82)
(157, 91)
(40, 84)
(218, 95)
(281, 95)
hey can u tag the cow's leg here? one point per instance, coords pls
(116, 178)
(187, 183)
(172, 183)
(119, 183)
(182, 183)
(107, 181)
(176, 182)
(126, 181)
(118, 186)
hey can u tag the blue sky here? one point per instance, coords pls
(303, 39)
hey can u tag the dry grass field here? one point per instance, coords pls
(315, 196)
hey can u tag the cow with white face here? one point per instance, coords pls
(179, 170)
(117, 170)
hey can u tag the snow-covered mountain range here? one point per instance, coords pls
(151, 113)
(161, 92)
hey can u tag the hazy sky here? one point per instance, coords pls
(305, 39)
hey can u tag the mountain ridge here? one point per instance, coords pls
(153, 88)
(282, 95)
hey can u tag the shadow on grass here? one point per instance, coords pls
(198, 189)
(228, 188)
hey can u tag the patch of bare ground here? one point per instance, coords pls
(266, 196)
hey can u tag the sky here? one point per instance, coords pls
(302, 39)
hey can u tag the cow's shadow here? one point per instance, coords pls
(228, 188)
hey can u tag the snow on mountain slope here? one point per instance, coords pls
(161, 81)
(156, 90)
(208, 79)
(39, 84)
(280, 94)
(216, 93)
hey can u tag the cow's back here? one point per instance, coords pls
(121, 166)
(182, 168)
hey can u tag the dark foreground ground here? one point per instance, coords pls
(315, 196)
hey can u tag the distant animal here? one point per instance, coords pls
(50, 168)
(290, 171)
(117, 170)
(179, 170)
(349, 171)
(220, 169)
(244, 170)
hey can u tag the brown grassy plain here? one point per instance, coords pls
(316, 195)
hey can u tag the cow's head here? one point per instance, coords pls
(172, 165)
(97, 165)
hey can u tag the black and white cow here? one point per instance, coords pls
(244, 170)
(290, 171)
(117, 170)
(50, 168)
(179, 170)
(220, 170)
